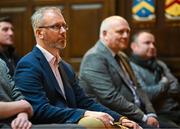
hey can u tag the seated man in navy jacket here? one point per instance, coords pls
(50, 84)
(15, 111)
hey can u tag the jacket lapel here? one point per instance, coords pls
(45, 65)
(67, 87)
(112, 61)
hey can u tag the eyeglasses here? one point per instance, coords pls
(56, 27)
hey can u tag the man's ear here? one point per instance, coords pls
(39, 33)
(104, 34)
(133, 45)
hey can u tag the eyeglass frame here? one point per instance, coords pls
(55, 27)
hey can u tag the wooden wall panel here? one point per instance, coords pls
(84, 27)
(86, 20)
(83, 18)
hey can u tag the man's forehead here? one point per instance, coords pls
(52, 13)
(146, 35)
(53, 16)
(5, 24)
(120, 22)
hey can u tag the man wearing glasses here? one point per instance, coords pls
(50, 84)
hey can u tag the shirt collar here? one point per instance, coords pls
(49, 57)
(103, 42)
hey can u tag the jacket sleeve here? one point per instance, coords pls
(174, 86)
(95, 78)
(145, 79)
(10, 91)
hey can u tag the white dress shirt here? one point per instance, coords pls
(53, 62)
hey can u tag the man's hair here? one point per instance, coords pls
(5, 19)
(107, 23)
(136, 35)
(37, 17)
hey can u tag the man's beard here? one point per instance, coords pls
(58, 45)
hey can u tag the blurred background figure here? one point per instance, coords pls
(7, 50)
(155, 77)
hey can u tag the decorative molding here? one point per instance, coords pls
(12, 9)
(86, 6)
(59, 6)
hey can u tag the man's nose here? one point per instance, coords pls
(63, 30)
(125, 34)
(152, 45)
(10, 32)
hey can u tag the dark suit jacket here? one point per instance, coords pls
(103, 80)
(37, 82)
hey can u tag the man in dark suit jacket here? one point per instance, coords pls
(112, 82)
(15, 111)
(50, 84)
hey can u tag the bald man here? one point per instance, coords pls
(106, 75)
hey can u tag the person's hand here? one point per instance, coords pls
(152, 121)
(21, 122)
(130, 124)
(27, 107)
(165, 83)
(164, 80)
(104, 117)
